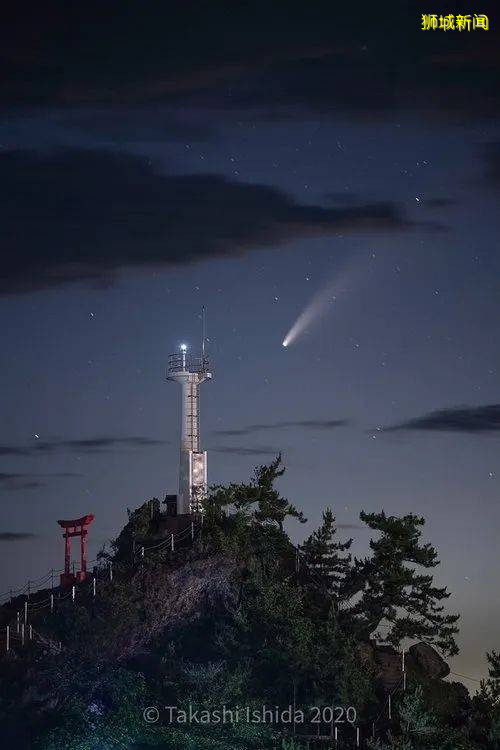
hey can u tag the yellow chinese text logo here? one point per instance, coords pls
(431, 22)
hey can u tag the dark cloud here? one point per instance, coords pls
(142, 125)
(19, 483)
(438, 202)
(258, 450)
(15, 536)
(88, 445)
(370, 81)
(473, 419)
(92, 127)
(12, 481)
(312, 424)
(23, 481)
(13, 450)
(341, 198)
(274, 58)
(82, 215)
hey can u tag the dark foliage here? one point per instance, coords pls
(238, 618)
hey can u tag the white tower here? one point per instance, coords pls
(190, 372)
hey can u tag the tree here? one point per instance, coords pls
(257, 499)
(493, 681)
(392, 591)
(326, 562)
(419, 729)
(485, 719)
(230, 620)
(139, 526)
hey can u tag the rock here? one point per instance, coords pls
(420, 657)
(429, 661)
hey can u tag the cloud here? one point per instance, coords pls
(87, 445)
(79, 215)
(17, 481)
(366, 81)
(471, 419)
(309, 57)
(16, 536)
(124, 126)
(438, 202)
(258, 450)
(313, 424)
(101, 128)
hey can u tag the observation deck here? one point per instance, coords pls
(183, 362)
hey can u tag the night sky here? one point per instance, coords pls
(262, 160)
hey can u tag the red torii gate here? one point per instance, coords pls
(77, 527)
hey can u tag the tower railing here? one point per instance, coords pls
(182, 362)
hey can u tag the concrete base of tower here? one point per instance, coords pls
(174, 524)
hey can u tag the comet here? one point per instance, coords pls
(320, 304)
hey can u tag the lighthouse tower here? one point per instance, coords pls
(190, 372)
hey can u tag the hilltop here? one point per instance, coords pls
(237, 616)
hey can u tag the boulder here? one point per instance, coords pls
(421, 658)
(429, 661)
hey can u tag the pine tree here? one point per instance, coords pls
(257, 499)
(493, 681)
(485, 719)
(391, 590)
(324, 557)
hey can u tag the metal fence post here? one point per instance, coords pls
(7, 637)
(172, 542)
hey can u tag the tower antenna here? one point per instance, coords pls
(203, 325)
